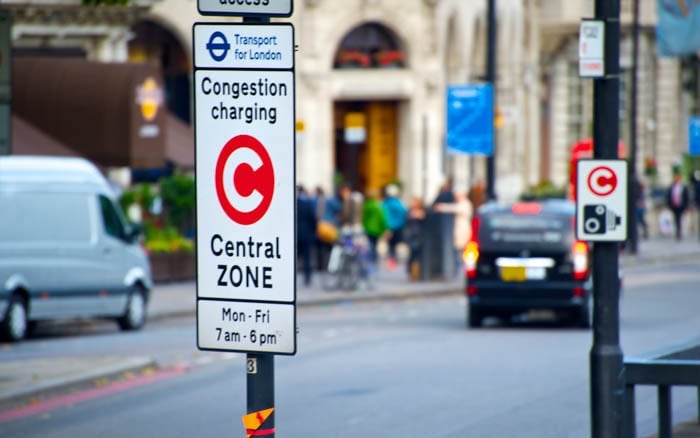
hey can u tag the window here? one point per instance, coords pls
(575, 111)
(370, 45)
(112, 219)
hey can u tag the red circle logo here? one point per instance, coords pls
(244, 179)
(602, 181)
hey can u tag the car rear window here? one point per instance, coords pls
(508, 228)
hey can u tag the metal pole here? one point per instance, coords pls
(606, 367)
(491, 77)
(632, 187)
(261, 387)
(260, 380)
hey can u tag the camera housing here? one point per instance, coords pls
(598, 219)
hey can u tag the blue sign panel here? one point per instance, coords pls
(678, 28)
(694, 135)
(470, 118)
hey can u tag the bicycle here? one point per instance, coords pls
(347, 263)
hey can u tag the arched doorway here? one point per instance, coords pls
(366, 131)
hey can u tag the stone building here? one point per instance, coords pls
(383, 66)
(667, 91)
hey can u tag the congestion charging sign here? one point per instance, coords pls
(244, 147)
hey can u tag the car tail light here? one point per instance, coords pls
(472, 290)
(579, 255)
(471, 251)
(579, 292)
(470, 257)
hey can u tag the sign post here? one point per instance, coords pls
(245, 152)
(603, 187)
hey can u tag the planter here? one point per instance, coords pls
(174, 266)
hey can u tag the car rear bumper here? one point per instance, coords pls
(521, 296)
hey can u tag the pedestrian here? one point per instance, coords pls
(677, 199)
(395, 213)
(306, 231)
(321, 247)
(641, 207)
(695, 177)
(462, 225)
(414, 234)
(373, 223)
(446, 193)
(347, 214)
(477, 194)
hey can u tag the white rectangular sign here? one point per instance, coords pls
(601, 200)
(244, 326)
(245, 186)
(243, 46)
(272, 8)
(591, 49)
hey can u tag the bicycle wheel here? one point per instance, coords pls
(330, 279)
(350, 271)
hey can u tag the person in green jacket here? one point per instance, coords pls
(373, 222)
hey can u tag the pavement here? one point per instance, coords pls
(24, 381)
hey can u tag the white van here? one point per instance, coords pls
(66, 249)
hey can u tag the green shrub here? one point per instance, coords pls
(177, 193)
(544, 190)
(165, 240)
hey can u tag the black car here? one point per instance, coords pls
(525, 256)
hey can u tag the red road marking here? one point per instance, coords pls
(82, 396)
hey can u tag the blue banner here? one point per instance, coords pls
(694, 136)
(678, 29)
(470, 119)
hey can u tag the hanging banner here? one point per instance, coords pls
(694, 136)
(470, 119)
(678, 29)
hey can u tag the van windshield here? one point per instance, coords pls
(114, 221)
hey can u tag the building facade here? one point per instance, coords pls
(371, 79)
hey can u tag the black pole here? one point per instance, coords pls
(606, 368)
(632, 186)
(260, 379)
(261, 387)
(491, 78)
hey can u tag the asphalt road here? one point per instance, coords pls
(404, 368)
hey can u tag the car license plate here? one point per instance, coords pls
(535, 273)
(513, 273)
(522, 273)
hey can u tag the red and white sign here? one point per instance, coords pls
(245, 186)
(244, 179)
(602, 181)
(591, 49)
(601, 200)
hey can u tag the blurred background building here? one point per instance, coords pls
(111, 80)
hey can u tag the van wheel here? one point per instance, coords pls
(14, 326)
(135, 314)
